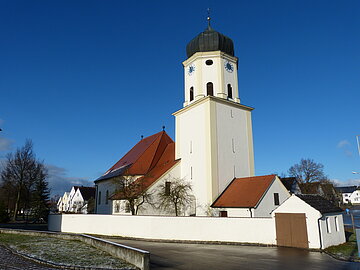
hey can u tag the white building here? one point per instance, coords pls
(350, 194)
(308, 221)
(76, 200)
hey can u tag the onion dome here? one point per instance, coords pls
(210, 40)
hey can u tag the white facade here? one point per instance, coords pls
(318, 235)
(214, 143)
(213, 67)
(104, 189)
(353, 197)
(120, 206)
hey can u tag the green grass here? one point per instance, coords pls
(347, 250)
(61, 251)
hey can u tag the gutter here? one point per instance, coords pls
(320, 232)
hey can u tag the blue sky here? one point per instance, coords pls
(85, 79)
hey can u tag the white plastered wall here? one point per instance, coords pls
(241, 230)
(147, 209)
(214, 142)
(215, 73)
(102, 187)
(267, 204)
(334, 234)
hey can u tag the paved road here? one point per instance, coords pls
(10, 261)
(228, 257)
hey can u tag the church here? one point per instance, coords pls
(213, 148)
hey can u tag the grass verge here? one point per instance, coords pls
(347, 251)
(63, 252)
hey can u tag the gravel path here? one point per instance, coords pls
(10, 261)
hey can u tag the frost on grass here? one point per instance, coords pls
(64, 252)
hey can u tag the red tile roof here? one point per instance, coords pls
(244, 192)
(165, 163)
(151, 157)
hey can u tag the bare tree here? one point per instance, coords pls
(21, 173)
(308, 171)
(133, 190)
(175, 194)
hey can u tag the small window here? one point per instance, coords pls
(191, 93)
(230, 93)
(99, 198)
(328, 228)
(209, 62)
(234, 171)
(191, 173)
(233, 145)
(276, 199)
(190, 147)
(231, 114)
(127, 207)
(117, 207)
(210, 89)
(107, 197)
(167, 188)
(337, 228)
(223, 214)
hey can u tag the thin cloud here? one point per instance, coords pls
(60, 182)
(349, 182)
(343, 144)
(5, 144)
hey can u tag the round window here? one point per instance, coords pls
(209, 62)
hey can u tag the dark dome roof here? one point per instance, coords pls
(210, 40)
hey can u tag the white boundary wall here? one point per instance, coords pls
(237, 230)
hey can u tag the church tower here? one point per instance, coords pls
(213, 129)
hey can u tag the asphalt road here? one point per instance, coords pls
(230, 257)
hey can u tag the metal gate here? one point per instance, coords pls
(291, 230)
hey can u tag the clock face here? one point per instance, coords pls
(229, 67)
(191, 69)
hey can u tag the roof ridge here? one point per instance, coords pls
(155, 135)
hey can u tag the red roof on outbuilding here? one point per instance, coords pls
(244, 192)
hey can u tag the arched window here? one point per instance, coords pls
(229, 88)
(191, 93)
(210, 89)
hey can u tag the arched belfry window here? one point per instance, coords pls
(210, 89)
(191, 93)
(230, 93)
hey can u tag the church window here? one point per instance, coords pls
(229, 88)
(191, 173)
(209, 62)
(107, 197)
(190, 147)
(234, 171)
(167, 188)
(233, 145)
(191, 93)
(99, 201)
(231, 114)
(210, 89)
(276, 199)
(117, 207)
(127, 207)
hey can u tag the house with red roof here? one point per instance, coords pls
(255, 196)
